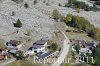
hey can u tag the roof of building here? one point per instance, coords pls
(2, 57)
(40, 42)
(15, 42)
(37, 46)
(90, 44)
(13, 51)
(42, 55)
(84, 50)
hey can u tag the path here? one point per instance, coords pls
(65, 51)
(7, 62)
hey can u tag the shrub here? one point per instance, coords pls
(53, 47)
(78, 22)
(47, 4)
(77, 48)
(78, 10)
(29, 32)
(35, 2)
(95, 33)
(59, 4)
(18, 24)
(55, 14)
(19, 55)
(26, 5)
(68, 18)
(13, 13)
(96, 55)
(97, 2)
(81, 5)
(71, 1)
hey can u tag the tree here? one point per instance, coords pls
(82, 5)
(83, 24)
(71, 1)
(97, 56)
(55, 14)
(35, 2)
(19, 55)
(18, 24)
(91, 32)
(77, 22)
(97, 2)
(68, 18)
(77, 47)
(95, 33)
(26, 5)
(53, 47)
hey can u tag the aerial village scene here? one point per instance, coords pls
(49, 32)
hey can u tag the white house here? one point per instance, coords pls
(84, 51)
(37, 47)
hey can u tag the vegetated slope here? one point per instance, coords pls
(39, 23)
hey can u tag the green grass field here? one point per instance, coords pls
(2, 43)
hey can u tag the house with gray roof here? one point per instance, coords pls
(14, 44)
(40, 42)
(37, 47)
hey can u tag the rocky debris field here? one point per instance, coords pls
(37, 17)
(31, 18)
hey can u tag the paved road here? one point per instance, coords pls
(65, 51)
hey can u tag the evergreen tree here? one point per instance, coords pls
(18, 24)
